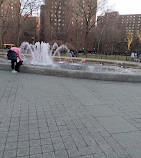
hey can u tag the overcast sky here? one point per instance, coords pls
(126, 6)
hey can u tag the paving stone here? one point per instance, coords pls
(36, 156)
(70, 145)
(46, 141)
(23, 157)
(57, 140)
(59, 146)
(35, 150)
(130, 142)
(67, 139)
(1, 153)
(12, 139)
(9, 153)
(55, 134)
(11, 146)
(120, 151)
(84, 151)
(53, 128)
(34, 136)
(44, 129)
(88, 156)
(74, 153)
(35, 142)
(49, 155)
(54, 117)
(44, 135)
(116, 124)
(3, 140)
(23, 138)
(100, 155)
(61, 154)
(4, 129)
(3, 134)
(23, 144)
(47, 148)
(23, 152)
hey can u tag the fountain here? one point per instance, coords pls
(40, 53)
(40, 58)
(43, 54)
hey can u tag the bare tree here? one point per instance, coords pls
(87, 15)
(129, 36)
(76, 29)
(138, 35)
(56, 18)
(5, 18)
(26, 8)
(108, 32)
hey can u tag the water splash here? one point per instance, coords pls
(62, 49)
(41, 53)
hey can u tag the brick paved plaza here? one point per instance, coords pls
(56, 117)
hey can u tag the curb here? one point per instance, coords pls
(75, 73)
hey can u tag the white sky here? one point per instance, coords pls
(126, 6)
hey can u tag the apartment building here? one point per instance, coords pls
(132, 21)
(63, 20)
(9, 11)
(122, 24)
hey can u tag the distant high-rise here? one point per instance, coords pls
(63, 20)
(124, 24)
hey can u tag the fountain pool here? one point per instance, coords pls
(41, 58)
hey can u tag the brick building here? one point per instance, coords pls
(63, 20)
(10, 18)
(53, 20)
(132, 21)
(121, 23)
(9, 11)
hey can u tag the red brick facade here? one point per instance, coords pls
(9, 21)
(9, 11)
(121, 23)
(59, 21)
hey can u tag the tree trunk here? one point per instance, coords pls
(3, 34)
(86, 43)
(18, 37)
(112, 48)
(86, 46)
(18, 31)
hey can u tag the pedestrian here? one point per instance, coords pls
(132, 56)
(76, 53)
(72, 54)
(12, 55)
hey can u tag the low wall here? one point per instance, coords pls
(75, 73)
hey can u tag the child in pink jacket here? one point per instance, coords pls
(17, 50)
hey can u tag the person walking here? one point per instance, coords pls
(76, 53)
(12, 55)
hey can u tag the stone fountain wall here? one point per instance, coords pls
(75, 73)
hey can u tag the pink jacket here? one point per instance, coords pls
(17, 50)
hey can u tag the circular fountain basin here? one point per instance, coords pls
(78, 70)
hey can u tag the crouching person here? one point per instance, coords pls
(12, 55)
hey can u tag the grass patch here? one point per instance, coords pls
(102, 56)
